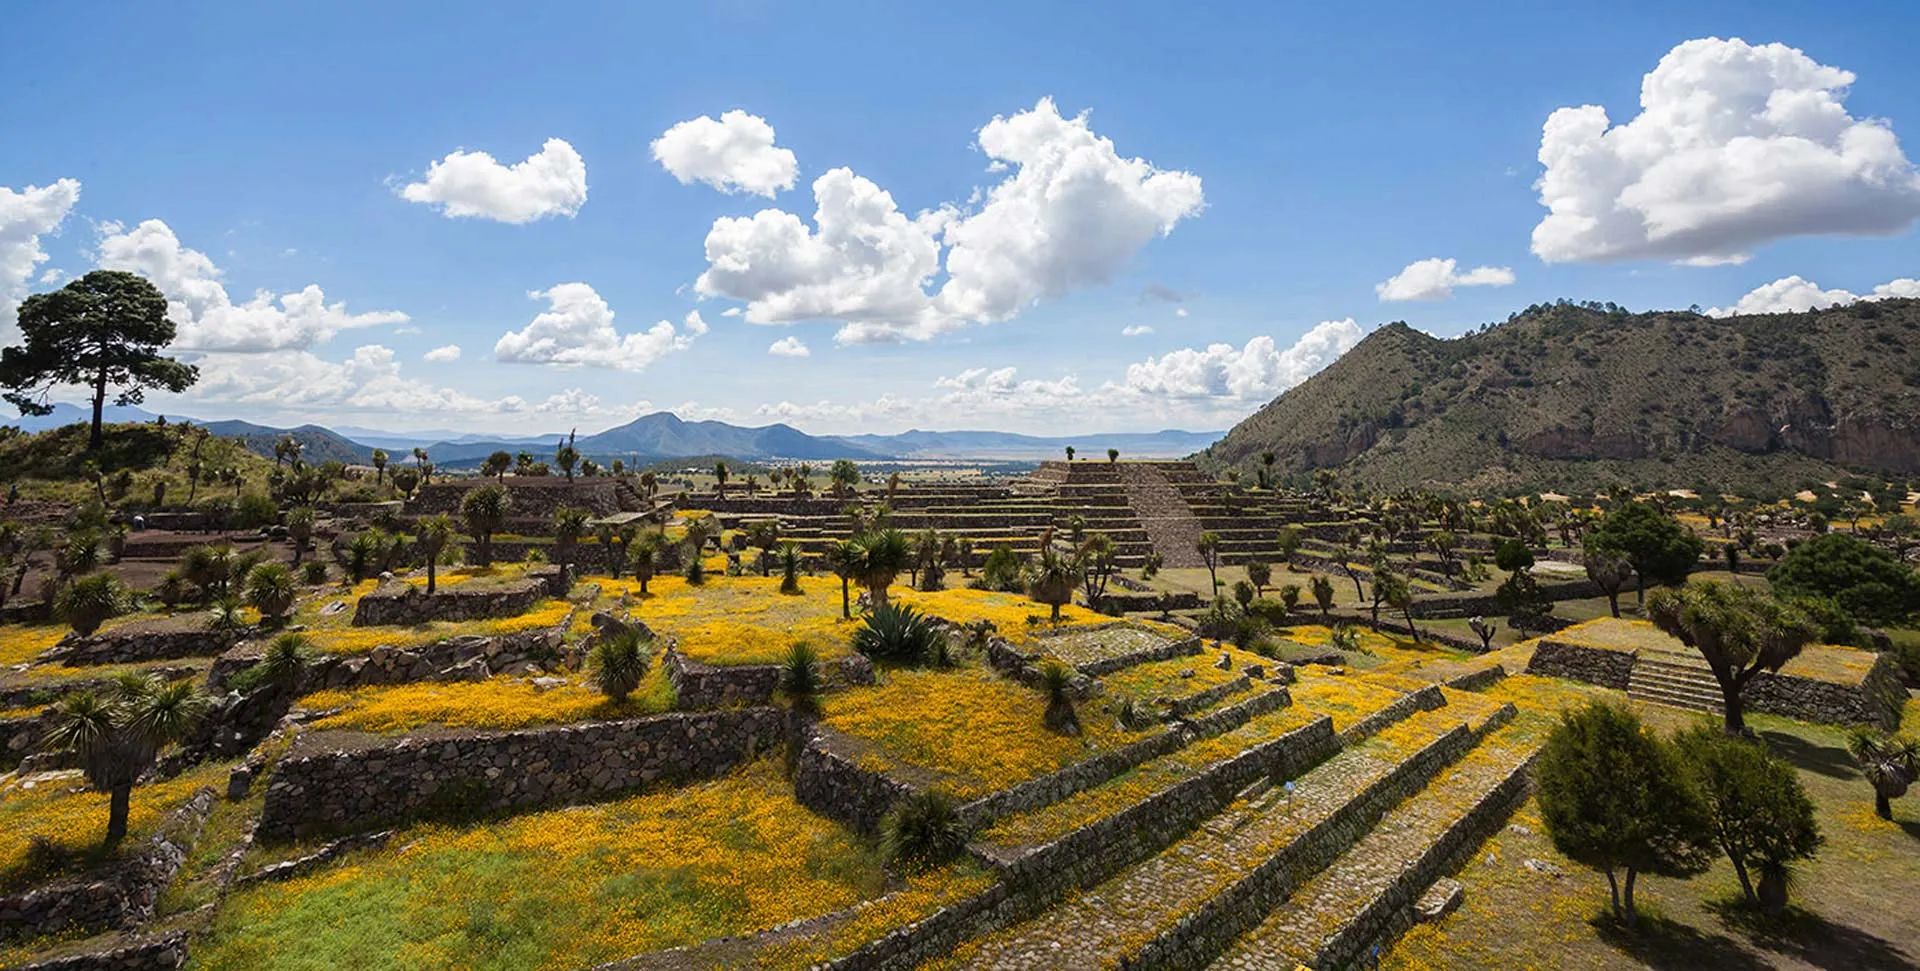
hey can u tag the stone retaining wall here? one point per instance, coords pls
(1559, 659)
(393, 782)
(1428, 698)
(1202, 700)
(1180, 648)
(401, 604)
(1210, 927)
(466, 657)
(834, 786)
(698, 685)
(19, 736)
(162, 953)
(135, 643)
(123, 896)
(1878, 698)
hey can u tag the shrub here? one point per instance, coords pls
(172, 589)
(314, 572)
(1867, 582)
(618, 663)
(921, 832)
(1756, 810)
(255, 510)
(284, 660)
(88, 602)
(1270, 611)
(695, 571)
(1002, 571)
(800, 677)
(896, 634)
(1513, 555)
(1243, 593)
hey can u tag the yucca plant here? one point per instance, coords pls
(800, 678)
(643, 557)
(271, 590)
(921, 832)
(790, 561)
(1891, 765)
(88, 602)
(1057, 682)
(896, 634)
(618, 663)
(695, 571)
(283, 662)
(172, 589)
(117, 734)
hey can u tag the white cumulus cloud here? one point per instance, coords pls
(25, 216)
(789, 347)
(1735, 145)
(1794, 294)
(441, 355)
(1434, 279)
(1257, 371)
(1070, 214)
(1137, 330)
(577, 330)
(551, 182)
(207, 318)
(734, 154)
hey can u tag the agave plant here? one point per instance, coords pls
(1057, 681)
(896, 634)
(283, 662)
(921, 832)
(117, 733)
(88, 602)
(618, 663)
(1890, 764)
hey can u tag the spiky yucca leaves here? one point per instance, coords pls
(88, 602)
(643, 557)
(118, 732)
(790, 561)
(695, 571)
(921, 832)
(618, 663)
(1051, 579)
(800, 678)
(1057, 681)
(285, 659)
(271, 589)
(1891, 764)
(896, 634)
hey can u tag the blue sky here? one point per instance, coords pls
(1291, 159)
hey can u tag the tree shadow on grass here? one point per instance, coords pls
(1828, 760)
(1812, 938)
(1668, 945)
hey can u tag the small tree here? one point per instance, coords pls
(790, 562)
(1740, 633)
(643, 557)
(1259, 573)
(884, 555)
(271, 589)
(1288, 542)
(1069, 453)
(1868, 582)
(1614, 796)
(1322, 587)
(800, 678)
(569, 524)
(380, 459)
(845, 476)
(1757, 812)
(1660, 550)
(433, 533)
(1890, 764)
(1113, 455)
(1209, 548)
(496, 465)
(844, 559)
(1608, 568)
(720, 472)
(118, 733)
(104, 330)
(485, 510)
(300, 530)
(566, 456)
(1051, 579)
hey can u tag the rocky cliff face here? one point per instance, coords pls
(1571, 396)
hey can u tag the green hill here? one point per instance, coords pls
(1578, 397)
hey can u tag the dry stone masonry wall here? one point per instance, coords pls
(121, 897)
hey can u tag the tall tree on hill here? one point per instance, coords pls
(1113, 455)
(379, 466)
(566, 456)
(1661, 550)
(845, 476)
(1608, 568)
(1069, 453)
(1739, 631)
(104, 330)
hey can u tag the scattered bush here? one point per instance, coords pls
(897, 634)
(921, 832)
(617, 664)
(1057, 681)
(314, 572)
(271, 590)
(800, 678)
(90, 601)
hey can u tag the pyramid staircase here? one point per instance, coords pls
(1676, 680)
(1163, 512)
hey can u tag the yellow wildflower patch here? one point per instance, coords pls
(566, 888)
(1346, 699)
(72, 816)
(19, 645)
(500, 703)
(1007, 611)
(980, 731)
(1161, 679)
(359, 640)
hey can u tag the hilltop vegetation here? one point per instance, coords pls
(1589, 396)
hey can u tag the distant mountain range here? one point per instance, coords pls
(662, 435)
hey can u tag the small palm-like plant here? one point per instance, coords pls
(433, 534)
(1052, 579)
(1057, 682)
(117, 733)
(643, 557)
(618, 663)
(229, 613)
(695, 571)
(271, 589)
(88, 602)
(300, 530)
(172, 589)
(790, 562)
(569, 524)
(1890, 764)
(921, 832)
(896, 634)
(800, 678)
(283, 662)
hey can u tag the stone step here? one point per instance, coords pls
(1672, 700)
(1709, 690)
(1367, 895)
(1181, 907)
